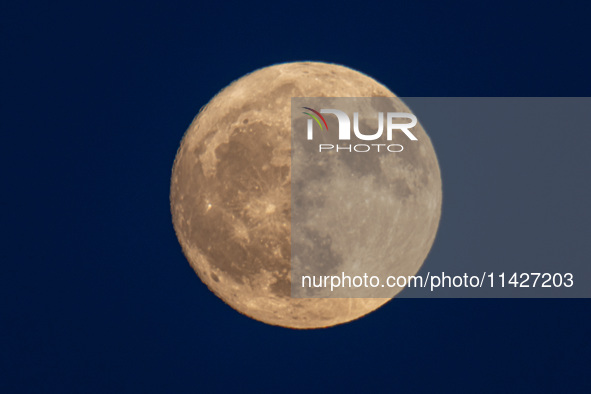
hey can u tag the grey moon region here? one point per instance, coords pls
(231, 196)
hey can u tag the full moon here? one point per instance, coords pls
(232, 186)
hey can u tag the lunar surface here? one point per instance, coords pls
(233, 185)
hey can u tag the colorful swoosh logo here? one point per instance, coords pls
(316, 117)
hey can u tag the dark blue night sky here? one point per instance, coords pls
(96, 293)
